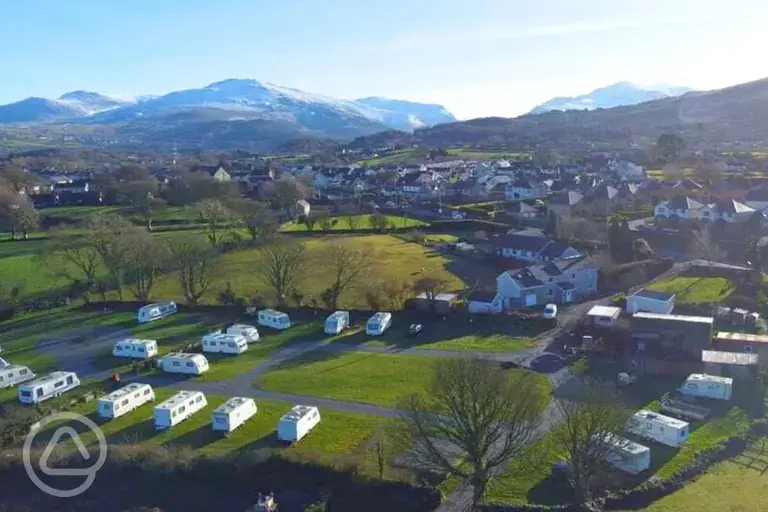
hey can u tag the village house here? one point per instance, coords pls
(216, 172)
(601, 200)
(533, 246)
(679, 207)
(727, 210)
(627, 170)
(525, 189)
(565, 204)
(757, 198)
(521, 211)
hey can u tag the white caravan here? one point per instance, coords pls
(274, 319)
(3, 362)
(626, 455)
(50, 386)
(233, 413)
(336, 322)
(191, 364)
(14, 374)
(125, 399)
(378, 323)
(135, 349)
(297, 423)
(224, 343)
(657, 427)
(156, 311)
(179, 407)
(249, 332)
(707, 386)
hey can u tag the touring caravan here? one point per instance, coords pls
(156, 311)
(179, 407)
(50, 386)
(125, 399)
(233, 413)
(378, 323)
(274, 319)
(249, 332)
(657, 427)
(218, 343)
(135, 349)
(14, 374)
(336, 322)
(297, 423)
(626, 455)
(707, 386)
(178, 362)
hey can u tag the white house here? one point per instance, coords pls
(681, 207)
(481, 302)
(727, 210)
(652, 301)
(757, 198)
(628, 171)
(525, 189)
(533, 246)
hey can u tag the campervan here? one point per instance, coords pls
(297, 423)
(233, 413)
(378, 323)
(624, 454)
(336, 322)
(179, 407)
(135, 349)
(274, 319)
(224, 343)
(156, 311)
(707, 386)
(657, 427)
(50, 386)
(178, 362)
(125, 399)
(14, 374)
(249, 332)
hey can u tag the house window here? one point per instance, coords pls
(748, 348)
(549, 292)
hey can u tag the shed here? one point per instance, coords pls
(604, 316)
(482, 302)
(737, 365)
(739, 316)
(742, 342)
(443, 302)
(657, 332)
(652, 301)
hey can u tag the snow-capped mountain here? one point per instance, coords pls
(90, 102)
(616, 95)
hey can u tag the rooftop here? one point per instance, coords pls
(297, 413)
(178, 398)
(47, 378)
(650, 415)
(623, 444)
(136, 341)
(654, 294)
(125, 390)
(740, 336)
(735, 358)
(675, 318)
(230, 405)
(709, 378)
(604, 311)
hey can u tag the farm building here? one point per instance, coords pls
(442, 303)
(604, 316)
(651, 301)
(742, 342)
(737, 365)
(481, 302)
(656, 332)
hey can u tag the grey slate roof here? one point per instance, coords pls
(683, 203)
(569, 198)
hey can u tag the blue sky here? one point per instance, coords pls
(476, 57)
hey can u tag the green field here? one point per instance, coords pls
(394, 157)
(696, 290)
(363, 222)
(484, 154)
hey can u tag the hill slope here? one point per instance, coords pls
(616, 95)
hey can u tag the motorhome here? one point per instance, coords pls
(626, 455)
(178, 362)
(179, 407)
(297, 423)
(135, 349)
(233, 413)
(707, 386)
(156, 311)
(378, 323)
(13, 374)
(336, 322)
(274, 319)
(50, 386)
(125, 399)
(657, 427)
(249, 332)
(218, 343)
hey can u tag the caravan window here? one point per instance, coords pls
(10, 375)
(190, 365)
(691, 385)
(176, 363)
(22, 372)
(119, 348)
(712, 386)
(182, 409)
(212, 343)
(59, 384)
(39, 392)
(139, 349)
(283, 320)
(199, 399)
(146, 391)
(1, 378)
(70, 380)
(124, 402)
(25, 394)
(231, 345)
(173, 413)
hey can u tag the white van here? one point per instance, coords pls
(50, 386)
(657, 427)
(378, 323)
(336, 322)
(156, 311)
(297, 423)
(274, 319)
(191, 364)
(13, 374)
(707, 386)
(218, 343)
(125, 399)
(135, 349)
(249, 332)
(233, 413)
(179, 407)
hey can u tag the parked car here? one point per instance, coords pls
(415, 329)
(550, 312)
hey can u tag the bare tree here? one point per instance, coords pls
(217, 218)
(107, 235)
(375, 295)
(326, 222)
(256, 219)
(74, 258)
(309, 221)
(18, 212)
(346, 265)
(396, 292)
(353, 221)
(141, 196)
(145, 260)
(194, 262)
(431, 287)
(279, 264)
(473, 420)
(378, 222)
(589, 425)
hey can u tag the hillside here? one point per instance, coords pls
(615, 95)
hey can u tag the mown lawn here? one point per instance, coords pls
(482, 154)
(362, 222)
(696, 290)
(493, 343)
